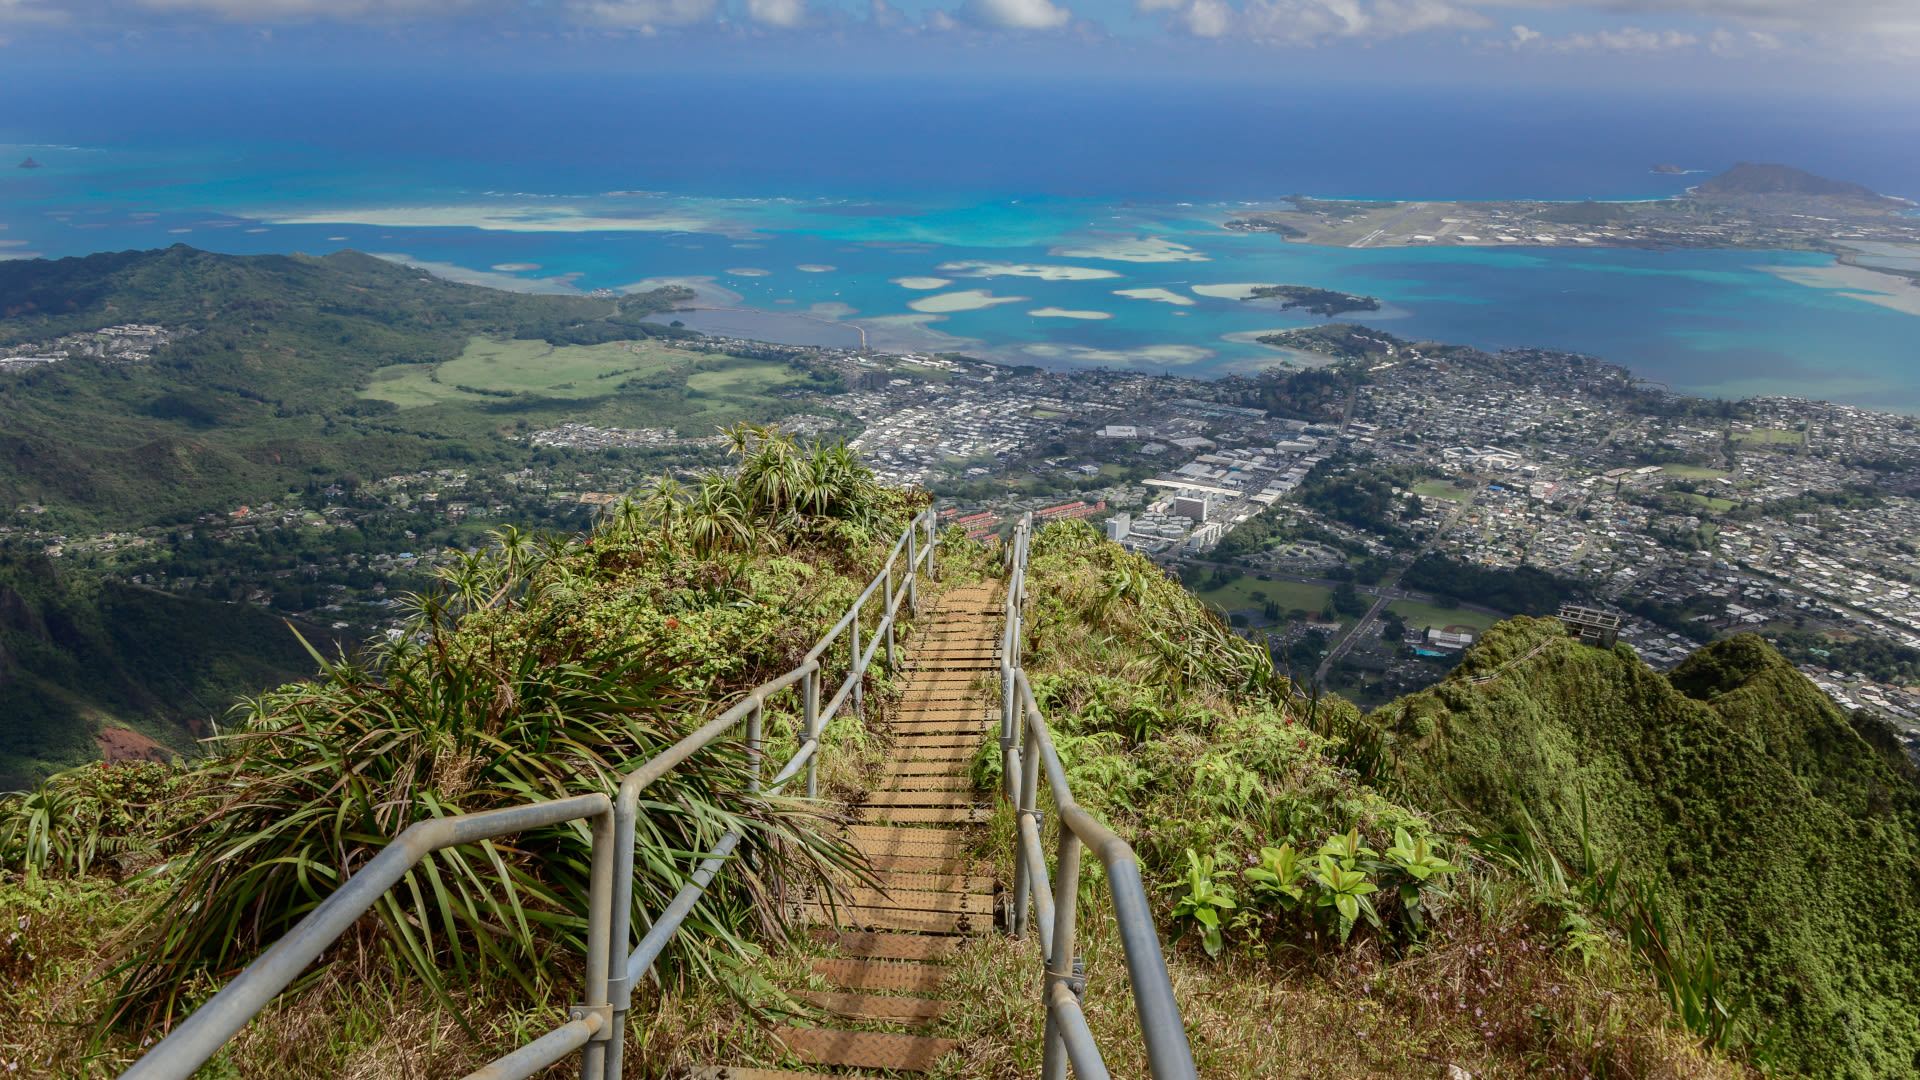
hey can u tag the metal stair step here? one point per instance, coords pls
(738, 1073)
(921, 767)
(889, 918)
(939, 739)
(919, 864)
(914, 900)
(936, 753)
(899, 1010)
(862, 945)
(942, 881)
(933, 815)
(865, 1049)
(893, 975)
(952, 782)
(924, 798)
(882, 840)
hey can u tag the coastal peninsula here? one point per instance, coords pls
(1750, 206)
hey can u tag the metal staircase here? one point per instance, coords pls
(892, 941)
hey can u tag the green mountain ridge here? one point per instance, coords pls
(78, 654)
(1787, 831)
(260, 391)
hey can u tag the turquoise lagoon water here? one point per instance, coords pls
(820, 255)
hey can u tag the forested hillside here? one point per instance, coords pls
(78, 654)
(259, 391)
(1783, 832)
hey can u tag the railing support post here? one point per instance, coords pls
(913, 570)
(1028, 764)
(853, 660)
(1060, 967)
(933, 545)
(619, 934)
(887, 611)
(812, 730)
(593, 1057)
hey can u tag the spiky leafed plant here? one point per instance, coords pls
(317, 777)
(717, 519)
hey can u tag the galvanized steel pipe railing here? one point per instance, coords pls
(202, 1034)
(624, 967)
(597, 1026)
(1026, 753)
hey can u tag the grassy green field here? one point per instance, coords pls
(1441, 489)
(742, 379)
(1420, 615)
(1708, 501)
(1772, 437)
(926, 373)
(1251, 592)
(1692, 472)
(534, 368)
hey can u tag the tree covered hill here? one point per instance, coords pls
(1785, 830)
(260, 393)
(77, 653)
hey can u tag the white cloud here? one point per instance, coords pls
(28, 11)
(1815, 18)
(645, 14)
(275, 10)
(883, 14)
(1016, 14)
(940, 22)
(1522, 35)
(783, 13)
(1308, 22)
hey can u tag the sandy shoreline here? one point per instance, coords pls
(1856, 283)
(964, 300)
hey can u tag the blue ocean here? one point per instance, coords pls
(1056, 222)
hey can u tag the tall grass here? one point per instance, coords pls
(541, 668)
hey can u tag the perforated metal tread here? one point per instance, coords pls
(865, 1049)
(895, 975)
(738, 1073)
(891, 918)
(866, 946)
(898, 1010)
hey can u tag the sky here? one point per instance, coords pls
(1829, 48)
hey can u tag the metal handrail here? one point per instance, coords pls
(596, 1027)
(1026, 751)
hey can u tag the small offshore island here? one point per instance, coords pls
(1323, 302)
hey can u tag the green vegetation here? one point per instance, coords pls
(1324, 302)
(1523, 590)
(1557, 862)
(511, 368)
(78, 654)
(1771, 437)
(1364, 497)
(1874, 657)
(1240, 593)
(292, 367)
(1342, 341)
(1693, 472)
(1443, 489)
(1312, 394)
(1584, 213)
(1421, 616)
(1780, 836)
(542, 668)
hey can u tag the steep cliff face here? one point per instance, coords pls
(1756, 805)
